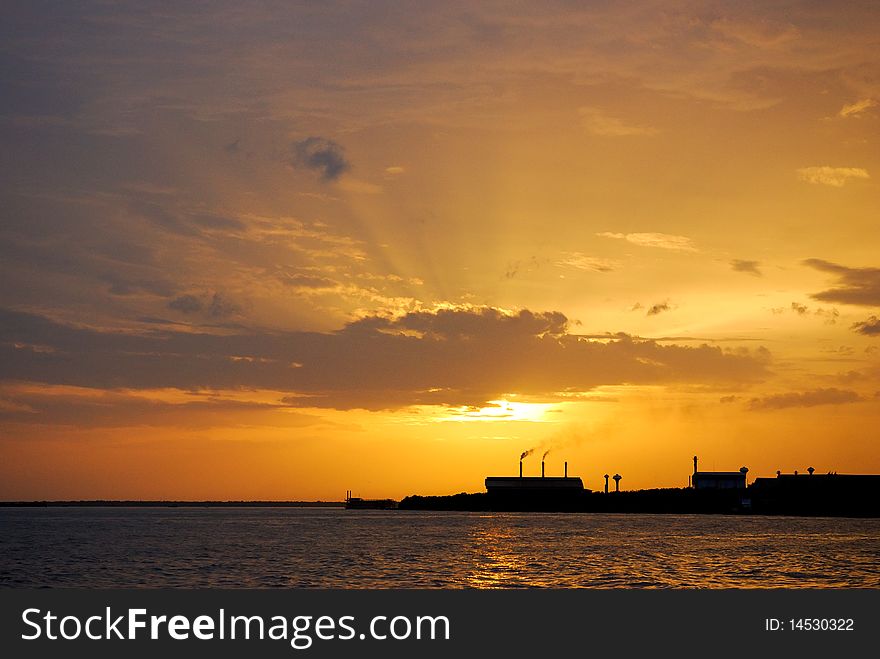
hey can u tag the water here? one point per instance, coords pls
(335, 548)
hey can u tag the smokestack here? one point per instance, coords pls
(695, 464)
(542, 469)
(566, 469)
(520, 468)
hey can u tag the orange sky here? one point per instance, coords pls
(282, 252)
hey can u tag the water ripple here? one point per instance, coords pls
(333, 548)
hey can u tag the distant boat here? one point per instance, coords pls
(356, 503)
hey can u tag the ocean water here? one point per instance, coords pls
(335, 548)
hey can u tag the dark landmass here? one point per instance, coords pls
(672, 500)
(172, 504)
(804, 497)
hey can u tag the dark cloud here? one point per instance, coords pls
(799, 309)
(658, 308)
(859, 286)
(750, 267)
(222, 307)
(219, 307)
(321, 155)
(813, 398)
(109, 409)
(452, 356)
(869, 327)
(186, 304)
(87, 251)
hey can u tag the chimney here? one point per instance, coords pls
(695, 464)
(606, 483)
(566, 469)
(542, 469)
(520, 468)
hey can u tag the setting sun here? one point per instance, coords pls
(500, 410)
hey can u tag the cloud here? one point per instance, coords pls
(219, 307)
(813, 398)
(749, 267)
(598, 123)
(658, 308)
(186, 304)
(830, 315)
(857, 108)
(23, 403)
(857, 286)
(661, 240)
(222, 307)
(347, 68)
(833, 176)
(799, 309)
(304, 281)
(583, 262)
(515, 268)
(454, 356)
(321, 155)
(869, 327)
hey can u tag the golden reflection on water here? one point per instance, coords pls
(494, 563)
(572, 551)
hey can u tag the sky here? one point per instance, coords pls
(281, 250)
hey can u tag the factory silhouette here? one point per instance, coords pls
(707, 492)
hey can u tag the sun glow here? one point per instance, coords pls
(499, 410)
